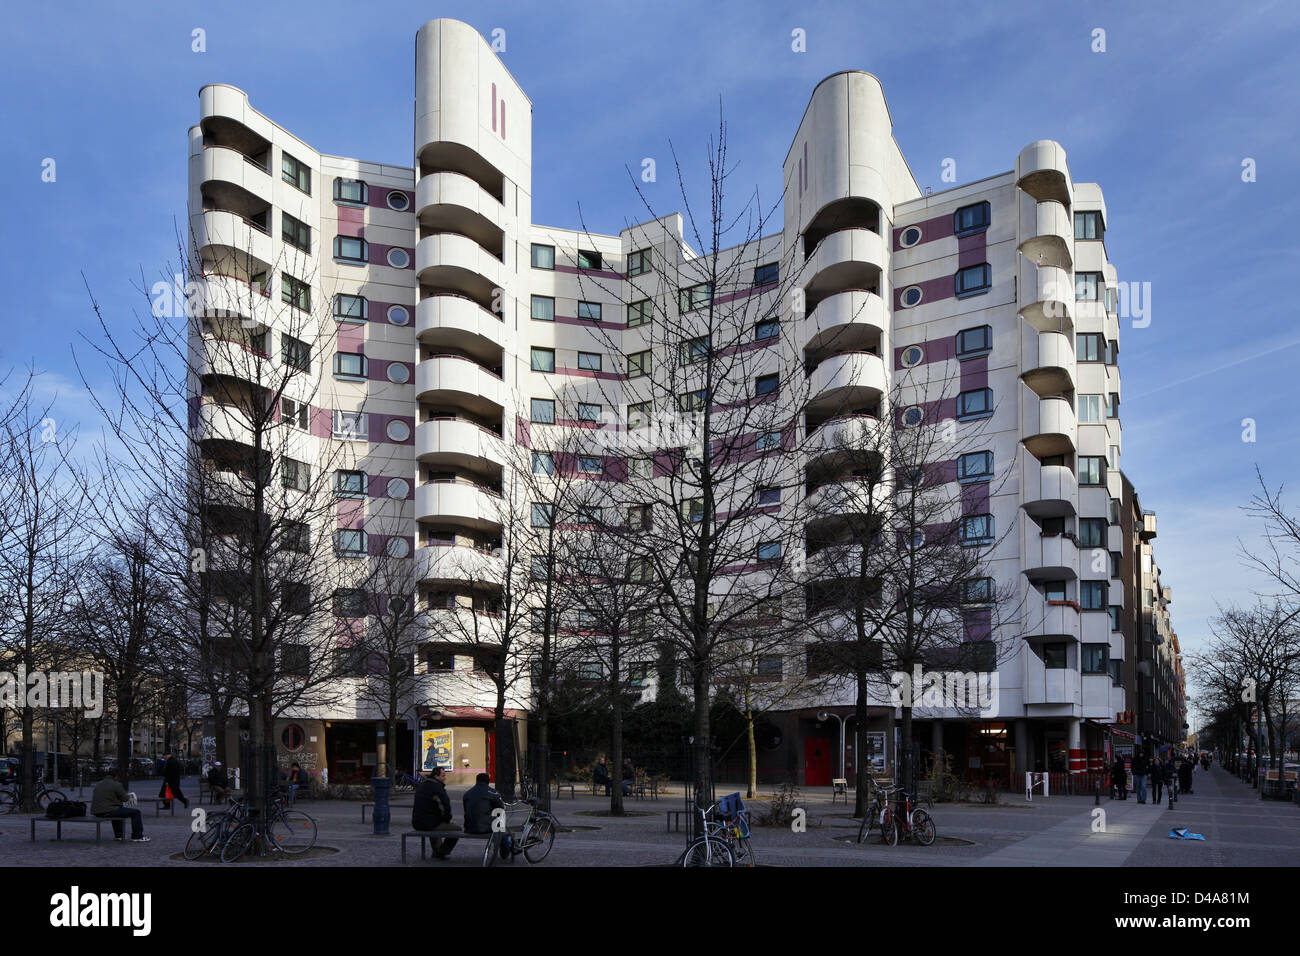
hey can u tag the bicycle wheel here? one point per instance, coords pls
(889, 830)
(708, 851)
(492, 850)
(539, 839)
(923, 828)
(743, 852)
(8, 801)
(292, 831)
(45, 797)
(238, 843)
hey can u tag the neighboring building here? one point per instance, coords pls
(455, 314)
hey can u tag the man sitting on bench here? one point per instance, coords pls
(431, 809)
(600, 776)
(108, 801)
(219, 783)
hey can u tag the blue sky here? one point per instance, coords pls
(1162, 120)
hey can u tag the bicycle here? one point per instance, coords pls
(11, 799)
(404, 783)
(219, 826)
(536, 836)
(902, 819)
(733, 827)
(711, 848)
(281, 831)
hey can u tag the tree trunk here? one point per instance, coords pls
(753, 754)
(860, 749)
(615, 729)
(907, 773)
(703, 769)
(29, 757)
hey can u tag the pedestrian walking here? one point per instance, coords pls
(1119, 779)
(171, 787)
(1141, 767)
(1157, 781)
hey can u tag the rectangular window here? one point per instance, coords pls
(543, 309)
(1116, 563)
(1112, 405)
(543, 463)
(973, 342)
(543, 360)
(693, 401)
(538, 567)
(638, 364)
(350, 541)
(294, 414)
(350, 248)
(295, 292)
(693, 509)
(589, 361)
(1090, 409)
(295, 353)
(350, 426)
(1086, 285)
(1112, 352)
(350, 190)
(638, 415)
(589, 465)
(639, 313)
(765, 331)
(349, 308)
(1088, 225)
(295, 474)
(638, 518)
(295, 173)
(1054, 591)
(1092, 532)
(349, 602)
(295, 232)
(349, 365)
(1054, 656)
(296, 536)
(695, 297)
(1112, 457)
(975, 466)
(975, 404)
(976, 529)
(543, 411)
(769, 550)
(543, 257)
(588, 412)
(1091, 347)
(537, 615)
(971, 219)
(977, 591)
(1092, 595)
(641, 467)
(638, 263)
(1116, 613)
(295, 659)
(769, 496)
(1092, 470)
(973, 280)
(349, 484)
(588, 260)
(1094, 658)
(767, 274)
(769, 441)
(1114, 515)
(543, 515)
(589, 311)
(766, 385)
(695, 350)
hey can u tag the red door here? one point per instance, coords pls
(816, 762)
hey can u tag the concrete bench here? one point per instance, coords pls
(673, 820)
(97, 822)
(158, 804)
(559, 786)
(441, 832)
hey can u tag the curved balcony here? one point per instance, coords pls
(221, 164)
(847, 320)
(1046, 296)
(1050, 427)
(454, 202)
(848, 259)
(451, 261)
(1047, 491)
(228, 295)
(457, 442)
(1054, 371)
(459, 564)
(446, 320)
(1047, 558)
(844, 436)
(232, 359)
(223, 423)
(1043, 618)
(219, 230)
(1046, 233)
(472, 505)
(1042, 171)
(849, 496)
(850, 380)
(461, 382)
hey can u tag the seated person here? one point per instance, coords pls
(108, 801)
(480, 800)
(432, 809)
(218, 783)
(299, 779)
(600, 775)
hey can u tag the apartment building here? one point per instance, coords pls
(457, 324)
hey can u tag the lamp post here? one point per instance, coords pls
(825, 716)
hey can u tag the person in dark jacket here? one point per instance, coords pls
(1157, 780)
(480, 800)
(432, 809)
(1185, 775)
(219, 783)
(299, 779)
(600, 775)
(108, 802)
(1119, 779)
(172, 781)
(1141, 767)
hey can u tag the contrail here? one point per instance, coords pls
(1211, 371)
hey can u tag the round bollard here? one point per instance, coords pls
(382, 813)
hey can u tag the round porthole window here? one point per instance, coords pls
(398, 430)
(398, 488)
(398, 315)
(913, 416)
(398, 373)
(912, 355)
(397, 548)
(910, 237)
(398, 259)
(911, 296)
(397, 200)
(293, 737)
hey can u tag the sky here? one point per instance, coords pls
(1183, 94)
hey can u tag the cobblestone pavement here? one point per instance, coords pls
(1239, 828)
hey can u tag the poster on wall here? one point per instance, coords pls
(876, 754)
(435, 748)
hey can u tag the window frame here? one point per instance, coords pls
(585, 306)
(292, 352)
(687, 296)
(536, 352)
(360, 551)
(964, 476)
(340, 483)
(590, 261)
(979, 223)
(969, 540)
(587, 357)
(534, 404)
(986, 279)
(964, 398)
(641, 259)
(347, 317)
(301, 172)
(643, 309)
(1093, 216)
(295, 292)
(640, 362)
(537, 300)
(532, 256)
(968, 353)
(291, 229)
(362, 362)
(362, 433)
(585, 413)
(340, 256)
(761, 272)
(772, 379)
(340, 182)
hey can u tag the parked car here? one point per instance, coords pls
(10, 768)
